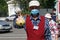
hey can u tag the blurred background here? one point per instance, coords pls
(8, 10)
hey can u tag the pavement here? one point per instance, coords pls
(15, 34)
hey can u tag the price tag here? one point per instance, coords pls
(35, 27)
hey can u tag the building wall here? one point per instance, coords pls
(44, 11)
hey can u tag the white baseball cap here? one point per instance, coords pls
(48, 15)
(34, 3)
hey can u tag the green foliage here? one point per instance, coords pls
(50, 4)
(3, 8)
(44, 4)
(47, 3)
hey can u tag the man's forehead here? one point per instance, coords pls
(34, 7)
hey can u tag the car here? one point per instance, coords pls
(10, 18)
(5, 26)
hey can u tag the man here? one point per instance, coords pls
(18, 14)
(53, 14)
(36, 26)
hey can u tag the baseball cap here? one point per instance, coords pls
(34, 3)
(48, 15)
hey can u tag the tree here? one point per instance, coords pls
(3, 8)
(50, 4)
(47, 3)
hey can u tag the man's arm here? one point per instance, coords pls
(47, 30)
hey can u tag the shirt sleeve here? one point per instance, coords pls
(47, 30)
